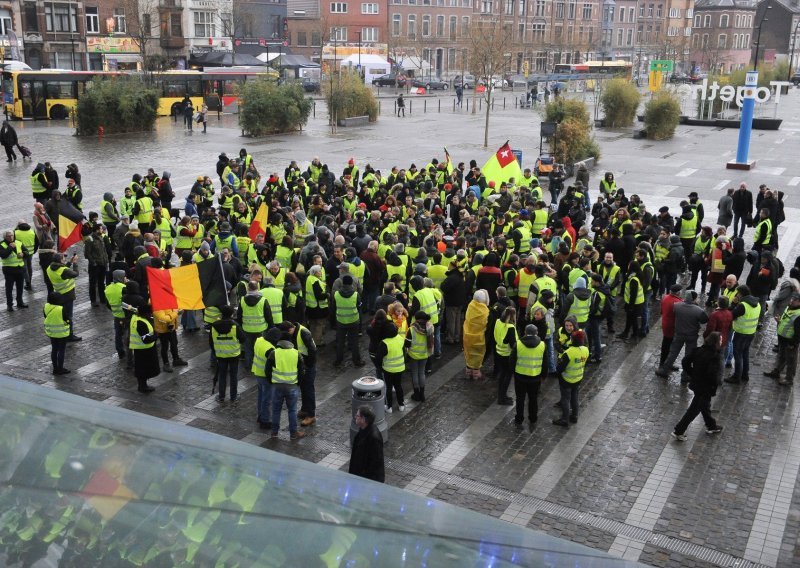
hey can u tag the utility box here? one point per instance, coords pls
(369, 391)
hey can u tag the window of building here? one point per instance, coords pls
(560, 10)
(723, 21)
(722, 41)
(707, 21)
(412, 26)
(509, 7)
(338, 7)
(412, 2)
(453, 3)
(453, 26)
(641, 10)
(695, 41)
(426, 2)
(558, 31)
(571, 10)
(674, 13)
(451, 58)
(397, 1)
(439, 26)
(622, 15)
(537, 29)
(339, 33)
(737, 21)
(426, 26)
(466, 3)
(60, 17)
(316, 39)
(735, 41)
(5, 24)
(521, 31)
(697, 20)
(31, 19)
(302, 39)
(204, 24)
(176, 24)
(522, 7)
(705, 41)
(92, 21)
(746, 41)
(540, 7)
(120, 24)
(464, 26)
(630, 15)
(629, 38)
(396, 22)
(369, 35)
(587, 11)
(370, 8)
(486, 6)
(650, 11)
(620, 37)
(659, 11)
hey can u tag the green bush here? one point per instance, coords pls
(620, 101)
(347, 96)
(268, 108)
(662, 113)
(573, 141)
(123, 104)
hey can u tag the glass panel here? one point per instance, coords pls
(59, 90)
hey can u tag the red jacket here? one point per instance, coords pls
(721, 321)
(668, 315)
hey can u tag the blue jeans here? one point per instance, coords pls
(417, 368)
(264, 402)
(551, 355)
(308, 403)
(593, 331)
(741, 355)
(228, 367)
(645, 329)
(289, 393)
(729, 348)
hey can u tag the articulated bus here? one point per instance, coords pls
(53, 94)
(616, 68)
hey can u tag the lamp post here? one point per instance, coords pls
(72, 43)
(358, 33)
(742, 161)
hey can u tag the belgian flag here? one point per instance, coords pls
(70, 224)
(259, 224)
(191, 287)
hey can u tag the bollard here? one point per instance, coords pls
(379, 107)
(424, 106)
(515, 102)
(493, 104)
(395, 107)
(440, 105)
(467, 105)
(504, 103)
(410, 107)
(100, 131)
(454, 106)
(314, 109)
(480, 103)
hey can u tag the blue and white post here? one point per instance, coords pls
(742, 161)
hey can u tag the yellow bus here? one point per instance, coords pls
(53, 94)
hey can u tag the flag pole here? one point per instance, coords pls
(222, 274)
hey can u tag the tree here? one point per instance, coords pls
(124, 104)
(267, 108)
(490, 40)
(141, 16)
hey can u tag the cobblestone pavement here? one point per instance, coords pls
(615, 481)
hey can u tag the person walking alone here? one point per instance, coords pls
(704, 368)
(8, 139)
(366, 458)
(401, 105)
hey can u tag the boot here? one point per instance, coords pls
(476, 374)
(415, 396)
(468, 374)
(422, 394)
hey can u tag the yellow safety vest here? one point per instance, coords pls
(428, 304)
(394, 361)
(27, 238)
(55, 325)
(346, 308)
(197, 239)
(284, 256)
(580, 309)
(113, 294)
(165, 228)
(577, 361)
(105, 216)
(253, 316)
(525, 281)
(13, 260)
(786, 323)
(311, 299)
(437, 273)
(261, 349)
(419, 345)
(639, 291)
(500, 331)
(226, 346)
(764, 229)
(688, 227)
(60, 285)
(136, 339)
(529, 359)
(36, 185)
(747, 323)
(285, 371)
(391, 270)
(539, 221)
(275, 300)
(145, 214)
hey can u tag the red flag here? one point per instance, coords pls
(504, 155)
(259, 224)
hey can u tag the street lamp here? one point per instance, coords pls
(794, 44)
(742, 161)
(72, 43)
(358, 33)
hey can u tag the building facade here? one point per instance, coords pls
(780, 31)
(11, 44)
(722, 34)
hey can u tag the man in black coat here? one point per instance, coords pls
(704, 366)
(742, 209)
(366, 459)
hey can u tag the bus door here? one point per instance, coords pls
(34, 101)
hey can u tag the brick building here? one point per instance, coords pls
(722, 34)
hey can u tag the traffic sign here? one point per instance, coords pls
(665, 65)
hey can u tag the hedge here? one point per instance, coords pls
(122, 104)
(662, 113)
(620, 101)
(268, 108)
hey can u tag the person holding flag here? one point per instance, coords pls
(62, 276)
(503, 166)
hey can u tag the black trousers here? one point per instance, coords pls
(632, 315)
(15, 276)
(666, 343)
(502, 372)
(527, 386)
(393, 382)
(169, 344)
(97, 283)
(701, 404)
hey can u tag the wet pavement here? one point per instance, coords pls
(615, 481)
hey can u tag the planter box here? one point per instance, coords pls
(354, 121)
(758, 123)
(639, 134)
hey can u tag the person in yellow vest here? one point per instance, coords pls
(26, 235)
(12, 256)
(316, 304)
(166, 324)
(746, 313)
(391, 359)
(527, 358)
(788, 338)
(263, 346)
(276, 302)
(284, 366)
(302, 340)
(252, 316)
(571, 365)
(113, 299)
(686, 229)
(346, 312)
(633, 296)
(225, 341)
(419, 347)
(505, 338)
(57, 329)
(143, 211)
(762, 240)
(62, 276)
(142, 342)
(578, 302)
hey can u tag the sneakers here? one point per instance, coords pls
(679, 437)
(402, 408)
(168, 368)
(560, 422)
(179, 363)
(573, 419)
(308, 421)
(715, 430)
(297, 435)
(388, 410)
(772, 374)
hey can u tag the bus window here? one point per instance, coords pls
(60, 90)
(194, 88)
(175, 89)
(231, 88)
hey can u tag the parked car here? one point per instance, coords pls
(796, 79)
(679, 78)
(310, 85)
(468, 81)
(429, 84)
(390, 80)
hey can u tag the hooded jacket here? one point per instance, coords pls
(382, 349)
(688, 319)
(528, 341)
(703, 366)
(224, 326)
(676, 256)
(738, 309)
